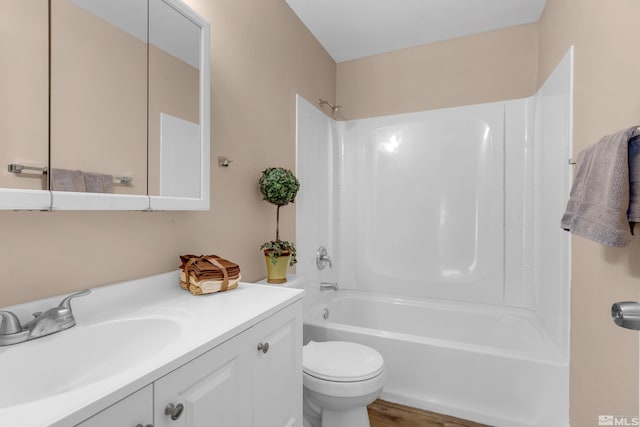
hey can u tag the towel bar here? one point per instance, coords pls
(18, 168)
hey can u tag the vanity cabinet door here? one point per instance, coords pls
(213, 390)
(136, 409)
(238, 385)
(277, 379)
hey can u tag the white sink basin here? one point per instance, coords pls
(79, 356)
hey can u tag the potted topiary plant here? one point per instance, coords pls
(278, 186)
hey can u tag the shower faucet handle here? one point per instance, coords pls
(322, 259)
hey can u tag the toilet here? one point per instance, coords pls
(340, 379)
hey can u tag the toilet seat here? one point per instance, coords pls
(340, 361)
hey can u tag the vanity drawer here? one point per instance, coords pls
(135, 409)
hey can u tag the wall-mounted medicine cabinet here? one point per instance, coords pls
(105, 106)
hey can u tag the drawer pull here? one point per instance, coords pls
(263, 347)
(174, 411)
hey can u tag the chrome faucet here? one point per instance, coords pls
(326, 286)
(322, 259)
(51, 321)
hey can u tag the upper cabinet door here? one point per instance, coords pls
(24, 104)
(105, 103)
(178, 107)
(99, 104)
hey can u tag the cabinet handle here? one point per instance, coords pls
(263, 347)
(148, 425)
(174, 411)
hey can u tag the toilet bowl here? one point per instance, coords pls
(340, 379)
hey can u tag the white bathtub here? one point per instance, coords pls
(488, 364)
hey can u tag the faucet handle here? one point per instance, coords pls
(322, 259)
(9, 323)
(66, 303)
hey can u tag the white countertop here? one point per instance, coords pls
(198, 323)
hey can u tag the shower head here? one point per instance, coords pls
(334, 108)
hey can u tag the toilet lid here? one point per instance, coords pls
(341, 361)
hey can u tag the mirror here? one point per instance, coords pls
(128, 125)
(174, 109)
(179, 43)
(99, 96)
(24, 104)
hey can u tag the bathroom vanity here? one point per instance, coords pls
(147, 353)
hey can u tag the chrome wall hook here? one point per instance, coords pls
(223, 162)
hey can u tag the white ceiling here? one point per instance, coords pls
(350, 29)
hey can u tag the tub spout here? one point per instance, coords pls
(327, 286)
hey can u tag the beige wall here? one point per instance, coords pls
(261, 57)
(487, 67)
(604, 357)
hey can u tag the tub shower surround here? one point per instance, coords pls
(443, 227)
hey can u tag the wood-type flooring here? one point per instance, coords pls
(387, 414)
